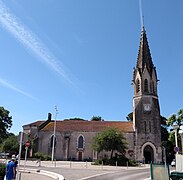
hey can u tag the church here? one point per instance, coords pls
(73, 138)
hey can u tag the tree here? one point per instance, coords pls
(166, 143)
(96, 118)
(75, 119)
(5, 123)
(164, 131)
(10, 145)
(175, 120)
(110, 139)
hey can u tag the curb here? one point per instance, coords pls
(43, 172)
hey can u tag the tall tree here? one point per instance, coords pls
(166, 143)
(110, 139)
(11, 144)
(5, 123)
(175, 120)
(164, 131)
(96, 118)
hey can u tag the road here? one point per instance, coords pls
(140, 174)
(96, 174)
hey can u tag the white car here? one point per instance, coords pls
(173, 163)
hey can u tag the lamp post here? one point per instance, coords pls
(181, 135)
(175, 127)
(54, 136)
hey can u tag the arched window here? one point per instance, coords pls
(145, 85)
(80, 142)
(137, 86)
(145, 126)
(51, 141)
(149, 126)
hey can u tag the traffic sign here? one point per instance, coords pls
(176, 149)
(27, 144)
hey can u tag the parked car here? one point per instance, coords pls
(4, 155)
(173, 163)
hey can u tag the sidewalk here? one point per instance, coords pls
(31, 176)
(80, 165)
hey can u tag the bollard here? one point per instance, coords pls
(116, 164)
(18, 177)
(102, 164)
(55, 162)
(70, 163)
(86, 164)
(127, 164)
(39, 161)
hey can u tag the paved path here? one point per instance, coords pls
(34, 176)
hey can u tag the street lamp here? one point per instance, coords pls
(54, 135)
(181, 135)
(175, 127)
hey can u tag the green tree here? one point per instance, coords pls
(75, 119)
(164, 131)
(175, 120)
(11, 144)
(110, 139)
(165, 140)
(96, 118)
(5, 123)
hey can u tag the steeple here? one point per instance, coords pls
(144, 56)
(146, 110)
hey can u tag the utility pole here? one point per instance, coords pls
(175, 128)
(19, 154)
(54, 136)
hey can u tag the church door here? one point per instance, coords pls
(80, 156)
(148, 154)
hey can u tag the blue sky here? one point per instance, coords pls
(80, 54)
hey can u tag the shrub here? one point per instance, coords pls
(41, 156)
(2, 170)
(121, 161)
(132, 162)
(46, 157)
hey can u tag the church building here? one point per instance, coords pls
(74, 137)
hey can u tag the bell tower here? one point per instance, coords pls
(146, 110)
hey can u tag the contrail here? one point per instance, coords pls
(30, 41)
(10, 86)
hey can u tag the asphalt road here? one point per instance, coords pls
(93, 174)
(140, 174)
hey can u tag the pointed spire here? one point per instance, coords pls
(144, 56)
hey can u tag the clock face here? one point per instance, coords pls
(147, 107)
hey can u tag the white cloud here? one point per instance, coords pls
(30, 41)
(10, 86)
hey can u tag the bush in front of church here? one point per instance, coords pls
(116, 161)
(42, 157)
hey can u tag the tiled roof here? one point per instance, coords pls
(37, 123)
(88, 126)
